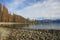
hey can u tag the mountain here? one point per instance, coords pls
(49, 21)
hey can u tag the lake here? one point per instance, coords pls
(55, 26)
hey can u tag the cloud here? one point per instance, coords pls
(19, 4)
(49, 9)
(13, 5)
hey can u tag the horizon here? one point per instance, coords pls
(34, 9)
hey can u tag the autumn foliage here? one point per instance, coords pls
(5, 16)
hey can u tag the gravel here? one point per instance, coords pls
(25, 34)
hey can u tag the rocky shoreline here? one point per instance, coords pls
(25, 34)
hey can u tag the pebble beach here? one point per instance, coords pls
(25, 34)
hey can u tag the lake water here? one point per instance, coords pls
(55, 26)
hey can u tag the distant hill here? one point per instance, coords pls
(49, 21)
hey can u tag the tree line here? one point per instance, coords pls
(5, 16)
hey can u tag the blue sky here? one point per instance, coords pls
(44, 9)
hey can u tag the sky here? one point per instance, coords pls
(34, 9)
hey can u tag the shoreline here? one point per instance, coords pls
(24, 34)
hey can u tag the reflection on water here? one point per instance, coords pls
(34, 26)
(44, 26)
(14, 25)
